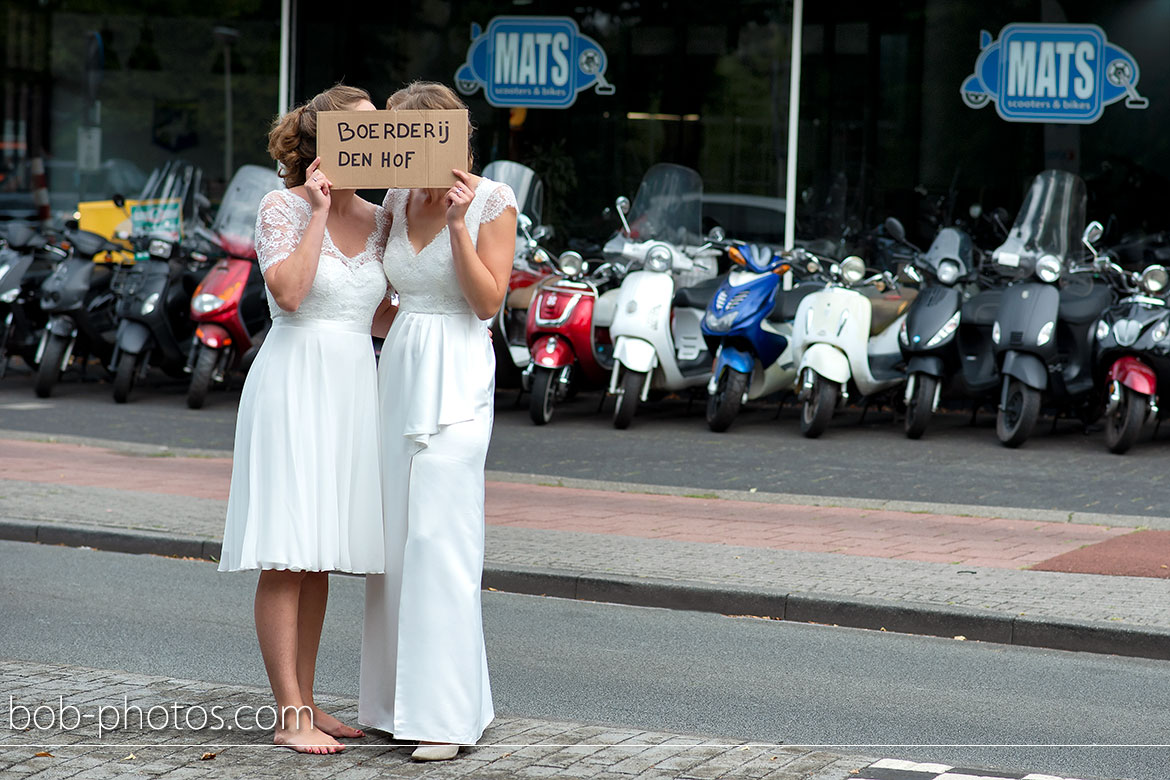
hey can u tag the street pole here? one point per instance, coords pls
(283, 97)
(793, 124)
(228, 36)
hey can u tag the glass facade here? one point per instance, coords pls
(883, 126)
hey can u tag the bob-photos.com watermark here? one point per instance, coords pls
(62, 716)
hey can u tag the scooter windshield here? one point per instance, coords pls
(525, 184)
(166, 200)
(668, 206)
(235, 221)
(1049, 222)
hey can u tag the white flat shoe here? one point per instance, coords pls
(435, 752)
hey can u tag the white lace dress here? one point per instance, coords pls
(305, 490)
(424, 672)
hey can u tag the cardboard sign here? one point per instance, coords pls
(400, 149)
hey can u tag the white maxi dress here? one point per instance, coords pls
(424, 673)
(305, 490)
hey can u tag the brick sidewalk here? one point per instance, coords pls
(929, 538)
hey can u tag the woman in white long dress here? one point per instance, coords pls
(424, 673)
(305, 493)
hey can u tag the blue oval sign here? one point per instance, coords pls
(1058, 73)
(533, 62)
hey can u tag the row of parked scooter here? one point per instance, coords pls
(1044, 320)
(169, 289)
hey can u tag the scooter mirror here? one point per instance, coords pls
(895, 229)
(623, 204)
(118, 200)
(1093, 233)
(542, 232)
(976, 210)
(716, 234)
(525, 222)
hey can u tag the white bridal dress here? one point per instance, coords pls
(305, 491)
(424, 672)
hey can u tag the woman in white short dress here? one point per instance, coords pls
(305, 496)
(424, 674)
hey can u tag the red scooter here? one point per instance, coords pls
(568, 333)
(229, 307)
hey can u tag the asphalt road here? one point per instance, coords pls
(669, 444)
(739, 678)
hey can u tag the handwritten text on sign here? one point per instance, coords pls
(375, 149)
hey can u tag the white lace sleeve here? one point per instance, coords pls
(279, 227)
(500, 199)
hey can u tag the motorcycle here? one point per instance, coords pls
(946, 336)
(748, 327)
(1131, 351)
(27, 258)
(845, 341)
(568, 333)
(229, 307)
(77, 299)
(1044, 329)
(154, 294)
(669, 280)
(530, 265)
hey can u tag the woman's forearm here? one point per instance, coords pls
(481, 287)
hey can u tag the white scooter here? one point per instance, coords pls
(845, 341)
(657, 340)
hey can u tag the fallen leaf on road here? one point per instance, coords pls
(961, 638)
(45, 754)
(130, 757)
(207, 756)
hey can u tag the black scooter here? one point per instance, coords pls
(1044, 330)
(80, 306)
(946, 336)
(27, 258)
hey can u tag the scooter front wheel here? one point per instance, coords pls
(50, 368)
(1123, 427)
(124, 377)
(201, 377)
(818, 409)
(1017, 417)
(629, 393)
(921, 406)
(723, 405)
(543, 400)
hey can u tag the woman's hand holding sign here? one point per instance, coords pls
(317, 186)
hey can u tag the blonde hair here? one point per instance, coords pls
(292, 140)
(432, 96)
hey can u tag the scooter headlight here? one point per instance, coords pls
(1153, 280)
(571, 262)
(721, 323)
(852, 269)
(948, 272)
(149, 304)
(1102, 330)
(1161, 330)
(1048, 268)
(1045, 334)
(161, 249)
(659, 258)
(945, 331)
(995, 333)
(203, 303)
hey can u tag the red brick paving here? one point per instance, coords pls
(1140, 554)
(1001, 543)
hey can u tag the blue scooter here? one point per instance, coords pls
(747, 326)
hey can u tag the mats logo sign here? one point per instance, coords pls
(1052, 73)
(533, 62)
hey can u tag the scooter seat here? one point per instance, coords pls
(698, 296)
(21, 236)
(521, 297)
(788, 300)
(1081, 303)
(983, 307)
(887, 308)
(89, 244)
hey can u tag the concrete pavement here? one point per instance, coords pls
(954, 571)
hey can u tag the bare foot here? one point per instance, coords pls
(333, 727)
(307, 740)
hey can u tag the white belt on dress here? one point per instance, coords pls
(318, 324)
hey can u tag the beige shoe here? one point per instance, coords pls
(435, 752)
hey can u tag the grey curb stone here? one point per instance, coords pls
(847, 611)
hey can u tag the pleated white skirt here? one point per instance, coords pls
(306, 485)
(424, 673)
